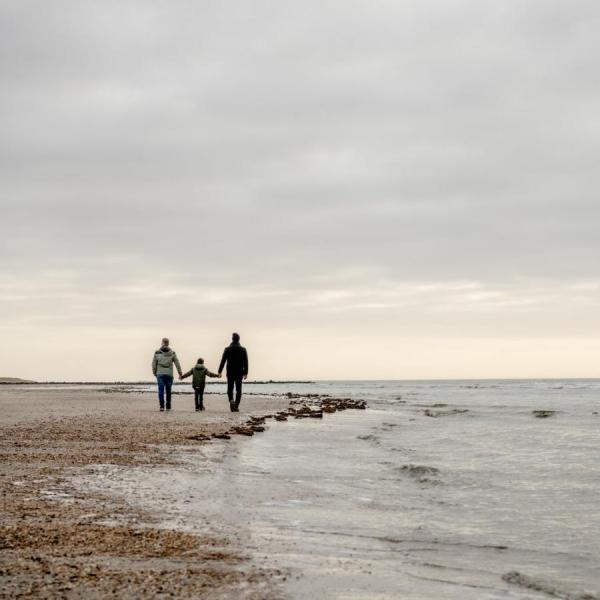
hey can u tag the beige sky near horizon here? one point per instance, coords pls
(419, 332)
(363, 190)
(435, 358)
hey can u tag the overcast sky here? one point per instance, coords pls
(371, 189)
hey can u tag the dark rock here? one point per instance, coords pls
(243, 431)
(419, 470)
(201, 437)
(543, 414)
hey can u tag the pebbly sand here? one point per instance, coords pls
(70, 545)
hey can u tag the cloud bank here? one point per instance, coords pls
(404, 187)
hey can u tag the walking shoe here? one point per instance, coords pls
(161, 409)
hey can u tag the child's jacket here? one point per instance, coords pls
(199, 372)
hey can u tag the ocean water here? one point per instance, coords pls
(477, 499)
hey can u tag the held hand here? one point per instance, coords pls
(245, 377)
(220, 375)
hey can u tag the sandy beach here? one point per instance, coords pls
(59, 542)
(456, 490)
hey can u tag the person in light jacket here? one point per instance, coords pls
(162, 367)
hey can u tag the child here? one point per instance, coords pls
(200, 372)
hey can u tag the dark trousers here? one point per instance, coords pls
(164, 385)
(237, 381)
(199, 397)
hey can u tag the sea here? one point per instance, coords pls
(438, 490)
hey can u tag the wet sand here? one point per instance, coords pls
(60, 542)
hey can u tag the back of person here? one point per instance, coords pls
(162, 368)
(164, 358)
(237, 359)
(199, 373)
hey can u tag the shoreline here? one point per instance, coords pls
(61, 541)
(16, 381)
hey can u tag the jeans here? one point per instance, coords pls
(164, 383)
(199, 397)
(237, 381)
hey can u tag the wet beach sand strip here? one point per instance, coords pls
(60, 542)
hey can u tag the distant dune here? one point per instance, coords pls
(14, 380)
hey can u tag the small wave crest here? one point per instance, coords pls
(421, 473)
(539, 585)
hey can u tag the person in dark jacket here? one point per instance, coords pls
(236, 357)
(200, 373)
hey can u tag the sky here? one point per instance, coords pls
(363, 189)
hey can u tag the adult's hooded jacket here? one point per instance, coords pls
(162, 362)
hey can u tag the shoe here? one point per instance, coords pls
(201, 407)
(231, 407)
(198, 410)
(161, 409)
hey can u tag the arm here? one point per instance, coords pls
(187, 374)
(211, 374)
(154, 364)
(176, 361)
(245, 364)
(223, 361)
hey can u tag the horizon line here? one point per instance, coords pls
(20, 381)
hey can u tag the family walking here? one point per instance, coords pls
(234, 356)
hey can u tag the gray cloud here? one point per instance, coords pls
(263, 153)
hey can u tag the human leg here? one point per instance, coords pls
(168, 382)
(201, 397)
(230, 384)
(238, 391)
(161, 392)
